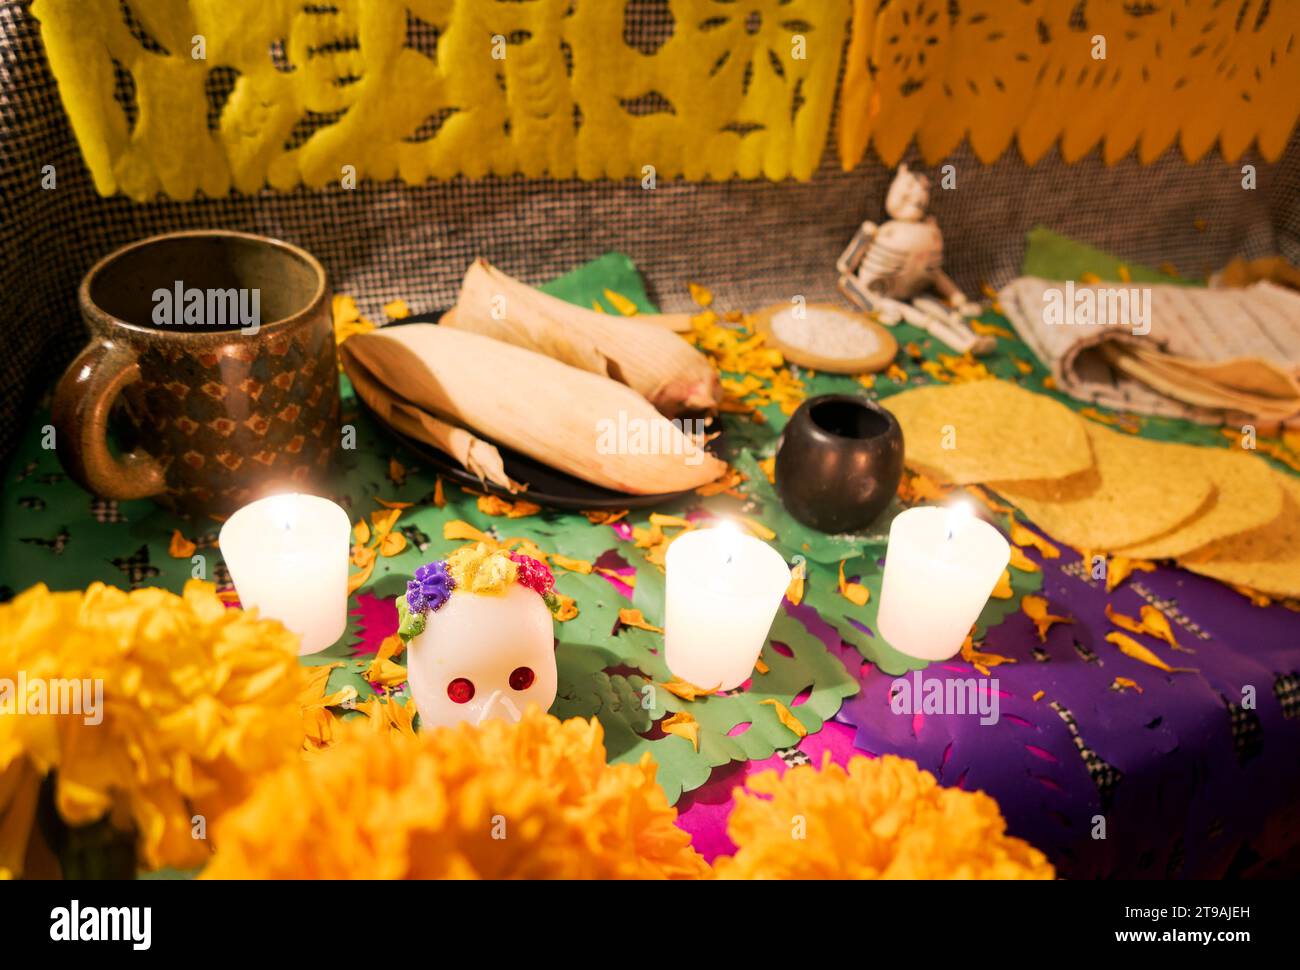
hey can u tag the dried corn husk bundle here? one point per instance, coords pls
(534, 404)
(646, 356)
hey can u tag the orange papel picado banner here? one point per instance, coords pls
(1085, 72)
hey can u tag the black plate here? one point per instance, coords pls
(547, 486)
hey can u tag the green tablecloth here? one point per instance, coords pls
(55, 533)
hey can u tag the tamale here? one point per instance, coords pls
(472, 453)
(646, 356)
(581, 423)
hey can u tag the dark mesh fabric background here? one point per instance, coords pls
(752, 242)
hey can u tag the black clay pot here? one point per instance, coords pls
(839, 462)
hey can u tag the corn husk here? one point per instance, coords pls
(646, 356)
(566, 417)
(480, 458)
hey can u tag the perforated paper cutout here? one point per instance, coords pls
(289, 92)
(1123, 75)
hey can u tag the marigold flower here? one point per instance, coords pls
(197, 700)
(534, 799)
(884, 818)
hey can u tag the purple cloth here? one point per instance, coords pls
(1189, 779)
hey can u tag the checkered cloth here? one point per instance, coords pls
(751, 242)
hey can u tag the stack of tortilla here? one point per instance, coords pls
(1222, 512)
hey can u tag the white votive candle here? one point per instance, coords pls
(723, 591)
(288, 557)
(940, 567)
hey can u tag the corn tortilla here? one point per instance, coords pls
(1138, 489)
(1247, 495)
(980, 431)
(1266, 559)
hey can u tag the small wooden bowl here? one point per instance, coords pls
(834, 365)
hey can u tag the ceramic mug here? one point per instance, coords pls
(839, 462)
(219, 348)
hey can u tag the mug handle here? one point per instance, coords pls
(82, 401)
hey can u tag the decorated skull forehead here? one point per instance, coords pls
(479, 643)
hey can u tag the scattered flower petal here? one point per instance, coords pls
(683, 725)
(700, 294)
(634, 618)
(1022, 535)
(180, 547)
(392, 544)
(686, 690)
(784, 715)
(1003, 590)
(458, 530)
(497, 506)
(1118, 569)
(620, 303)
(1035, 607)
(794, 592)
(1022, 562)
(855, 593)
(1131, 648)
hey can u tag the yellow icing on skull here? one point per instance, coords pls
(481, 569)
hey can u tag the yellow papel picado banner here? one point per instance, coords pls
(186, 96)
(423, 89)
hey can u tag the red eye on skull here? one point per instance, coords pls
(521, 678)
(461, 690)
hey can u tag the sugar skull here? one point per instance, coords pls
(479, 642)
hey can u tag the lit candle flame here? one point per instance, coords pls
(959, 513)
(283, 510)
(730, 534)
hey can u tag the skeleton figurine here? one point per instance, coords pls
(885, 266)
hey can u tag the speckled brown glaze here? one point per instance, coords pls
(213, 417)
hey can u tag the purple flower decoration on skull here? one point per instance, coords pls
(430, 588)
